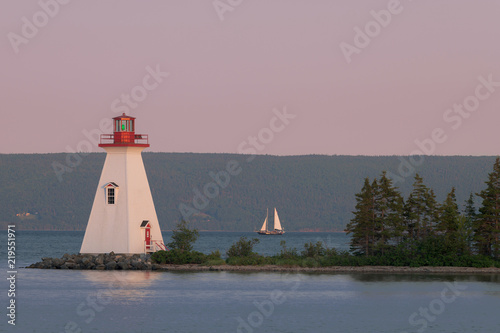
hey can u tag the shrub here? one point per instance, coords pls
(313, 250)
(214, 262)
(287, 253)
(242, 248)
(178, 257)
(214, 255)
(309, 262)
(183, 237)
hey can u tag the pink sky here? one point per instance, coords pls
(227, 76)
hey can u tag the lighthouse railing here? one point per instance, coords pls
(159, 246)
(154, 245)
(140, 139)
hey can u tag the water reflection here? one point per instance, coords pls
(123, 284)
(431, 277)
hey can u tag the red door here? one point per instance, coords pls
(148, 236)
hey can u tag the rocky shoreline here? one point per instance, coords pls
(112, 261)
(108, 261)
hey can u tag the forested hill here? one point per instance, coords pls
(310, 192)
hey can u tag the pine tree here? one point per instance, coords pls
(470, 208)
(420, 211)
(431, 217)
(448, 219)
(362, 226)
(466, 222)
(487, 224)
(183, 238)
(450, 223)
(389, 212)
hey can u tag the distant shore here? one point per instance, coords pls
(334, 269)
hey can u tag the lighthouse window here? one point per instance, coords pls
(111, 196)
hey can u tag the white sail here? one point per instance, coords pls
(264, 225)
(277, 223)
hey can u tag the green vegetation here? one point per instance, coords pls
(183, 238)
(315, 193)
(386, 231)
(181, 249)
(242, 248)
(421, 232)
(431, 252)
(241, 253)
(178, 257)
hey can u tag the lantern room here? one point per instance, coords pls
(124, 134)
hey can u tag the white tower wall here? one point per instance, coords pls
(116, 227)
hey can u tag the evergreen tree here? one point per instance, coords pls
(183, 238)
(470, 208)
(420, 210)
(378, 221)
(448, 219)
(431, 217)
(487, 224)
(466, 222)
(362, 225)
(389, 214)
(450, 223)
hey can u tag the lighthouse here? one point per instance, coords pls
(123, 217)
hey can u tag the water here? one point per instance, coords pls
(117, 301)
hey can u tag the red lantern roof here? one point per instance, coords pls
(123, 116)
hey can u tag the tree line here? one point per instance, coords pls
(422, 230)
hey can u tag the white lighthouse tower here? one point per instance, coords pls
(123, 217)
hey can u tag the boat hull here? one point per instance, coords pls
(274, 232)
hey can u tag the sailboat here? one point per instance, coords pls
(278, 230)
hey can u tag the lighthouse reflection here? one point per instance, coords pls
(122, 284)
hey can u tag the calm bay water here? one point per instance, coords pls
(91, 301)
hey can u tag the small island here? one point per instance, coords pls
(315, 258)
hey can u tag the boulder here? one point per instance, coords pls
(99, 260)
(111, 265)
(123, 265)
(70, 265)
(47, 263)
(39, 265)
(57, 263)
(85, 260)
